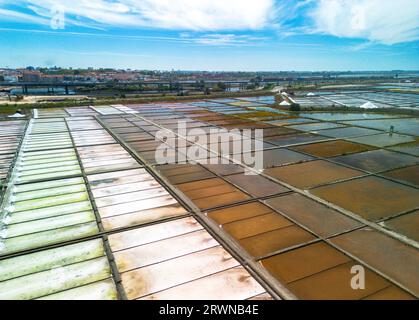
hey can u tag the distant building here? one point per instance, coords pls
(11, 78)
(31, 76)
(124, 77)
(52, 78)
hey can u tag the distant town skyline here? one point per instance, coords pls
(234, 35)
(95, 69)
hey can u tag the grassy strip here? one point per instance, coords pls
(342, 109)
(147, 99)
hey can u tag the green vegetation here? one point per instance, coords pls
(269, 86)
(399, 111)
(111, 87)
(132, 100)
(8, 109)
(219, 87)
(295, 107)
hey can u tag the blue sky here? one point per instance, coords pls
(255, 35)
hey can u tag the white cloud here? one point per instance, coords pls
(217, 39)
(382, 21)
(211, 39)
(10, 15)
(377, 21)
(169, 14)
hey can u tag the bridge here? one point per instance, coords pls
(173, 85)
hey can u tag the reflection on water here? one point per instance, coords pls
(42, 91)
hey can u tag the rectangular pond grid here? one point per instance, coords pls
(85, 197)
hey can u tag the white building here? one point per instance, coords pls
(10, 78)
